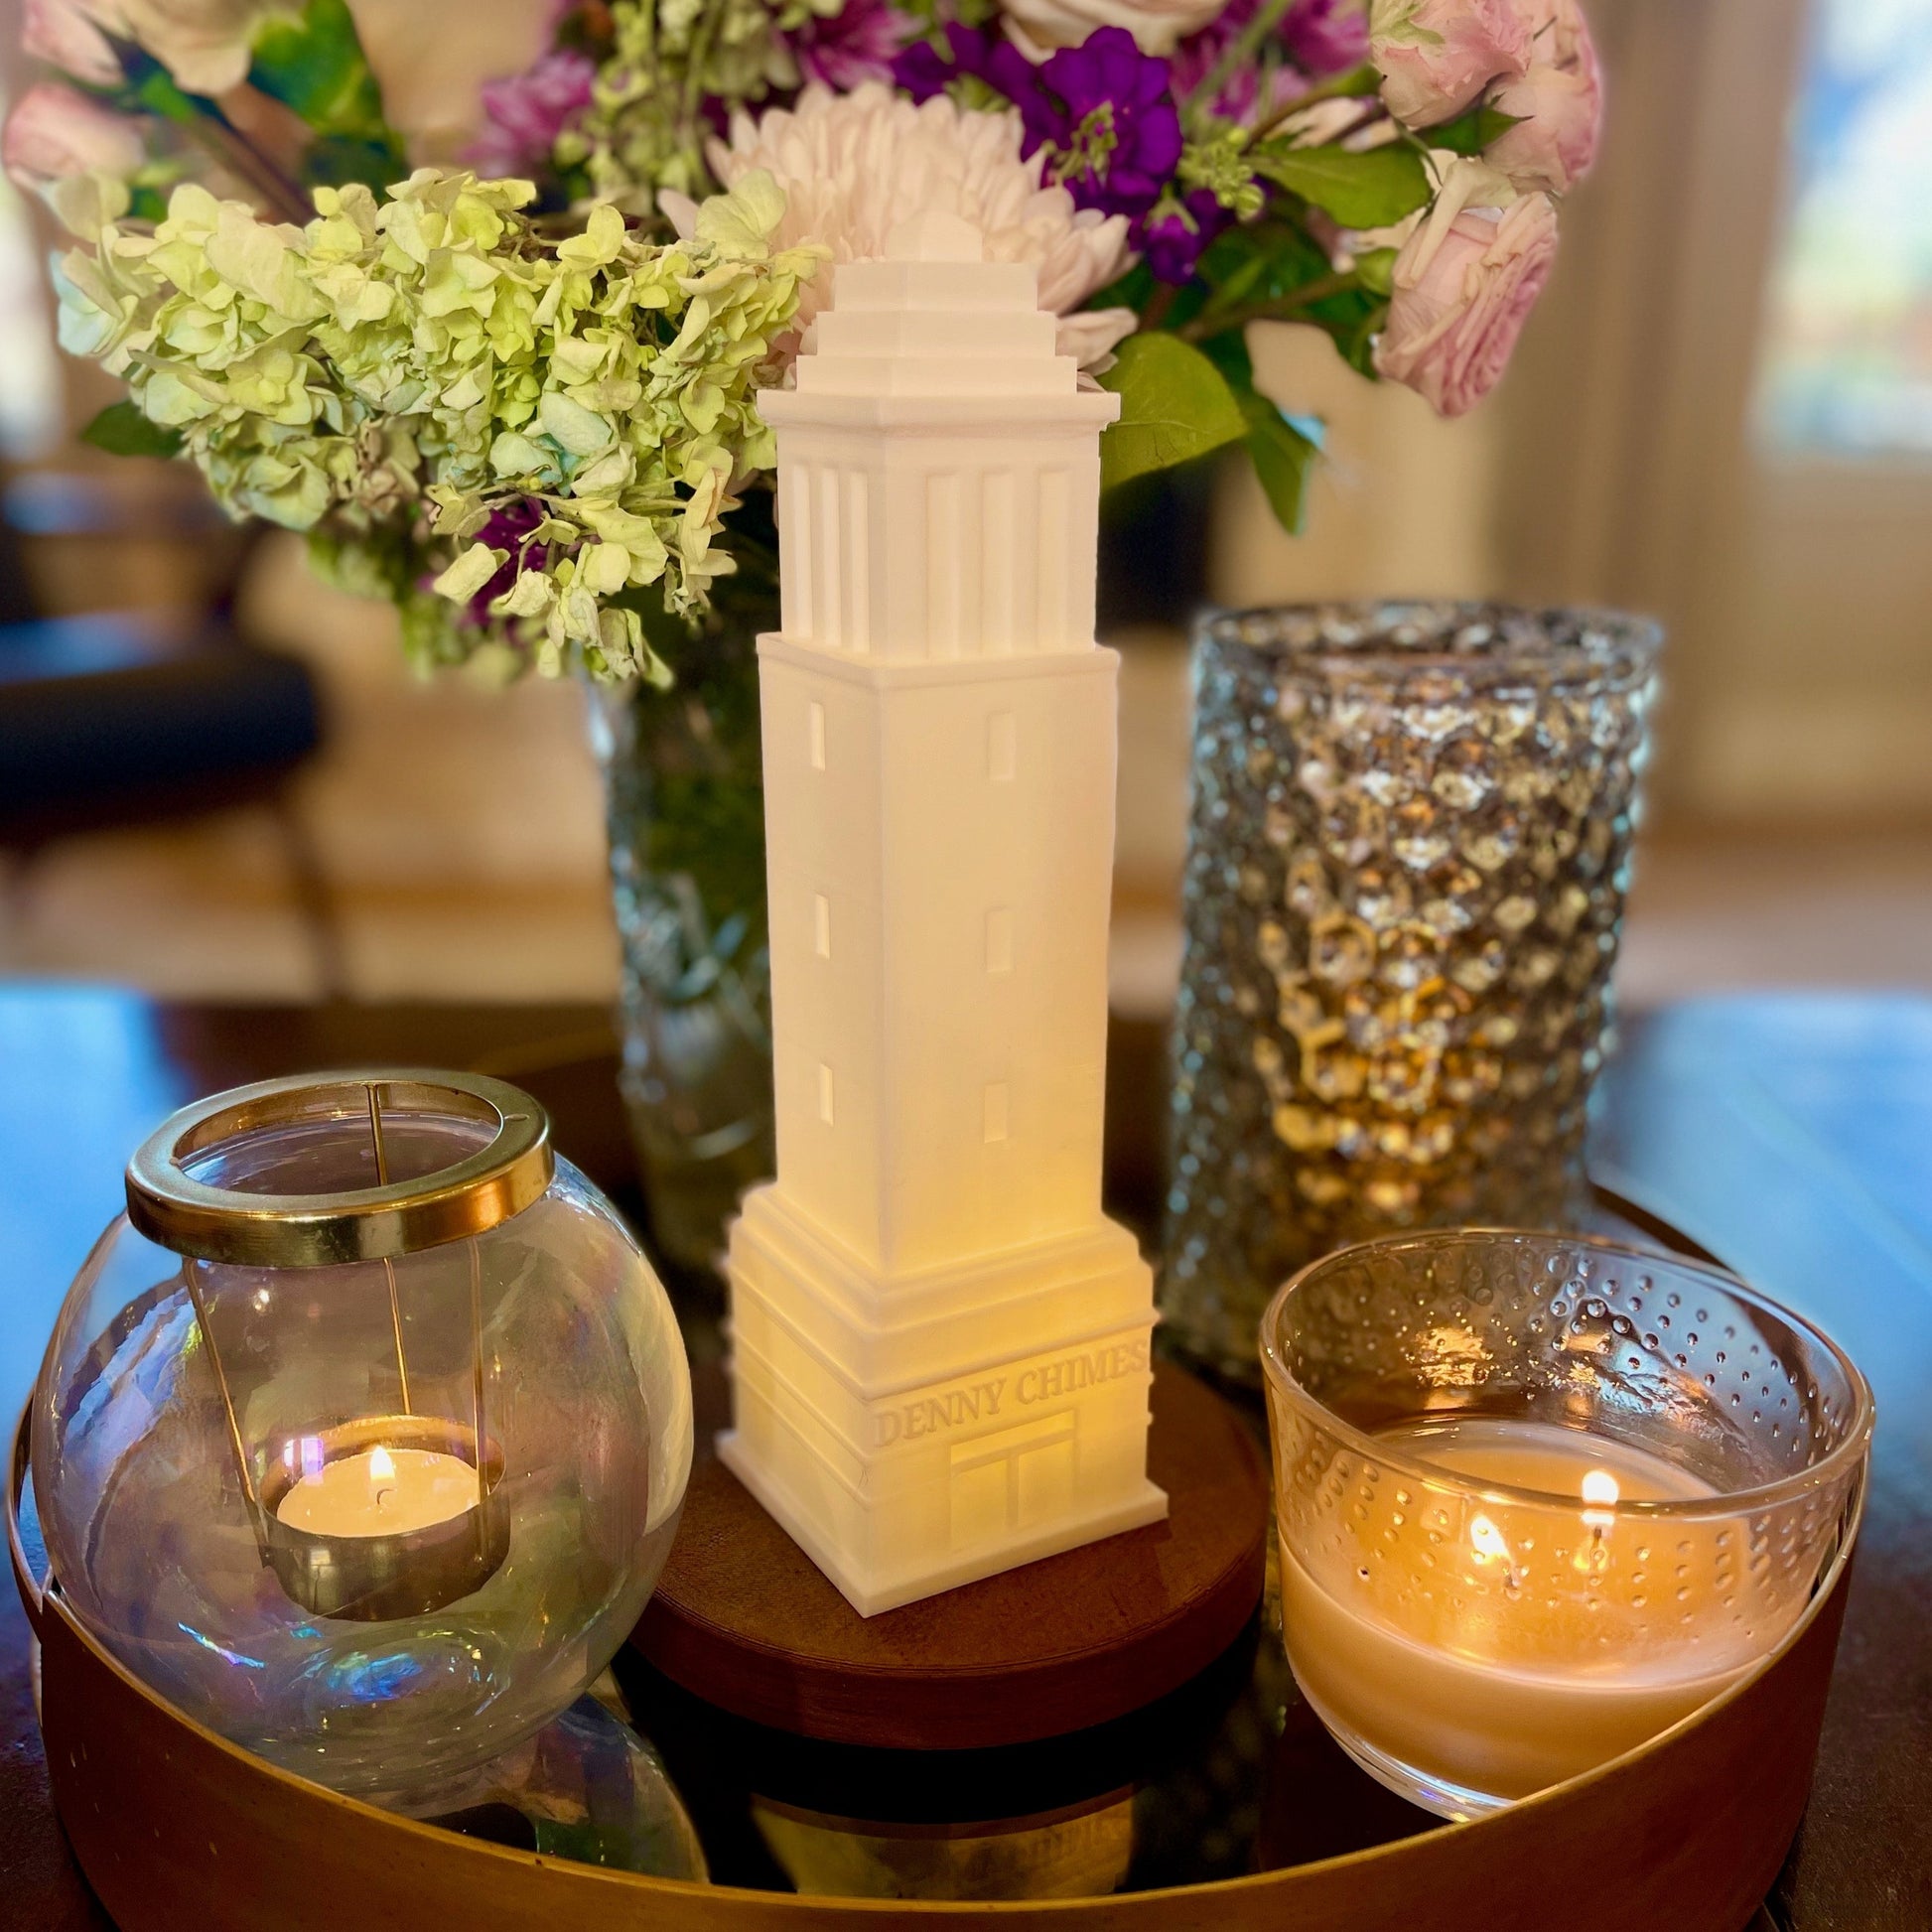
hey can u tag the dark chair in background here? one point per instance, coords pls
(117, 717)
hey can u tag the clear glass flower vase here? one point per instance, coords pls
(1408, 858)
(685, 805)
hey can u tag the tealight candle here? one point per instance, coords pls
(380, 1491)
(1539, 1497)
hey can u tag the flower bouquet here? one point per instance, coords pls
(518, 399)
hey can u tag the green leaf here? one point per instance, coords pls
(1353, 84)
(152, 88)
(1283, 448)
(1291, 259)
(335, 160)
(315, 65)
(1284, 457)
(1471, 133)
(121, 430)
(1228, 351)
(1362, 191)
(1355, 319)
(1174, 405)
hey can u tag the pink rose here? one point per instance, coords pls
(54, 133)
(1463, 291)
(66, 35)
(1557, 104)
(1437, 56)
(205, 45)
(1558, 33)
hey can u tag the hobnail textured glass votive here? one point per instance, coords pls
(1407, 866)
(1538, 1497)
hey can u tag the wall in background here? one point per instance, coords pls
(1796, 583)
(1402, 504)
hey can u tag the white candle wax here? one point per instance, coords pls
(1501, 1650)
(380, 1492)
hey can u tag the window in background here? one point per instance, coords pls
(1849, 364)
(30, 380)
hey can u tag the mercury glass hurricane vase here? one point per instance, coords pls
(685, 805)
(1408, 858)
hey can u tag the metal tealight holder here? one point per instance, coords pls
(375, 1516)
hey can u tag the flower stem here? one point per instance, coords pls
(700, 54)
(1280, 308)
(229, 145)
(1237, 54)
(1372, 112)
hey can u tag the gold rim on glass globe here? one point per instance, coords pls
(168, 1204)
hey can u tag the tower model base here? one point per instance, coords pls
(745, 1620)
(904, 1453)
(871, 1592)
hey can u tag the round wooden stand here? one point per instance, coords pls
(744, 1618)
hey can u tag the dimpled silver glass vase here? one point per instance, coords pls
(1408, 858)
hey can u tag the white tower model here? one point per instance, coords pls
(940, 1344)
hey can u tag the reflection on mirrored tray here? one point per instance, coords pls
(1228, 1775)
(1231, 1774)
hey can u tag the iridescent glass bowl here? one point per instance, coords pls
(1539, 1497)
(363, 1437)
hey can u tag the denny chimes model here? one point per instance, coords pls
(941, 1342)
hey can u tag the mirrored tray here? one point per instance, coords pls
(1222, 1804)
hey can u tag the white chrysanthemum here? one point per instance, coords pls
(854, 166)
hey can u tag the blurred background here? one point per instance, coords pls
(218, 780)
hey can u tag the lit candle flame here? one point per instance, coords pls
(1600, 1488)
(383, 1471)
(1600, 1493)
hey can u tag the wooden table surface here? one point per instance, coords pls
(1793, 1135)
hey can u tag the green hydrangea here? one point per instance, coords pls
(407, 379)
(668, 62)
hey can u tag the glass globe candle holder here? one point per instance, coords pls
(363, 1435)
(1539, 1497)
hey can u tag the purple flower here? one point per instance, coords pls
(859, 42)
(1172, 244)
(1102, 111)
(1327, 37)
(510, 528)
(524, 114)
(970, 53)
(923, 69)
(1318, 38)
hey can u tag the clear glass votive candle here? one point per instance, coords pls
(1540, 1496)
